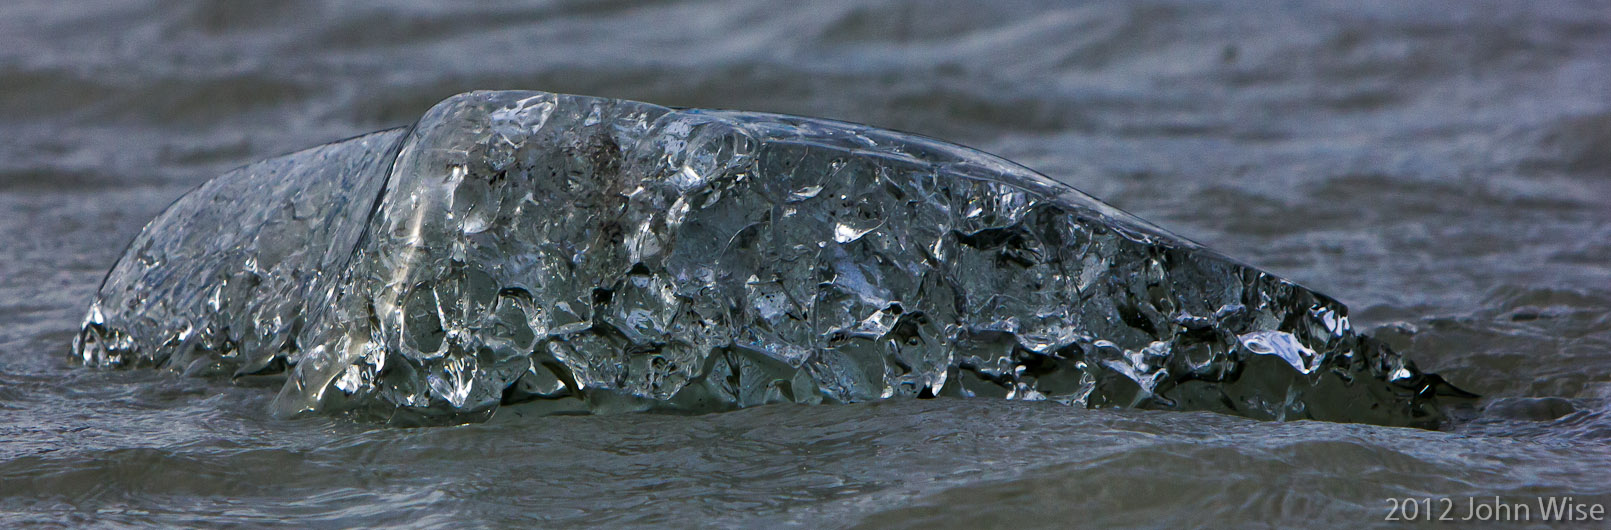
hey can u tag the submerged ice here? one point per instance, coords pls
(586, 254)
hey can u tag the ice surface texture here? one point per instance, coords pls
(588, 254)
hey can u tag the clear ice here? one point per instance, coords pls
(580, 254)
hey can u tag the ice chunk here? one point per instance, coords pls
(594, 254)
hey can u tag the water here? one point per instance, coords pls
(1440, 167)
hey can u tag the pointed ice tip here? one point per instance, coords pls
(1443, 389)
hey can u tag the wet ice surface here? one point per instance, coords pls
(591, 254)
(1439, 168)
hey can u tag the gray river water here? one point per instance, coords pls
(1444, 168)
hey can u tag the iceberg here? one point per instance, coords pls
(577, 254)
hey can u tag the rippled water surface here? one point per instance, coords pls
(1442, 167)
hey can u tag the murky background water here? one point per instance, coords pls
(1442, 167)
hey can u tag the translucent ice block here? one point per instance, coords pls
(588, 254)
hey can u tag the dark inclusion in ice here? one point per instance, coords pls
(591, 254)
